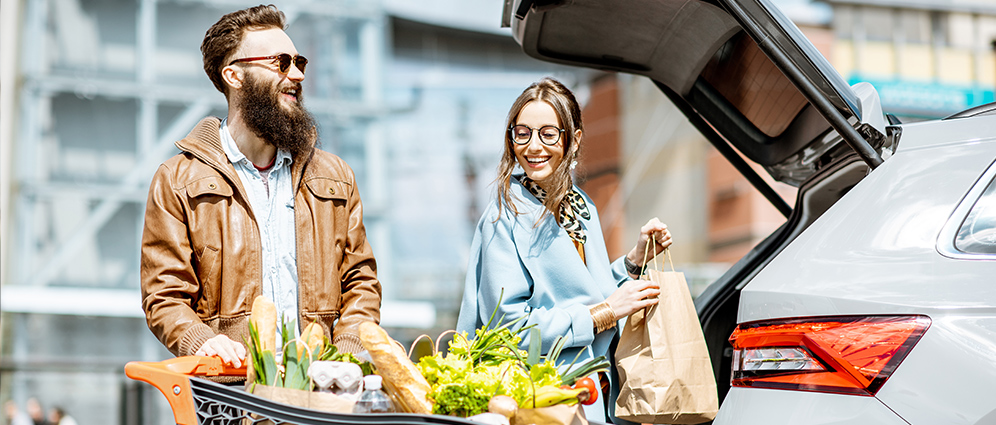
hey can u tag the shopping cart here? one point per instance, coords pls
(199, 401)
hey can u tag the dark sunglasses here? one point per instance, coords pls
(283, 61)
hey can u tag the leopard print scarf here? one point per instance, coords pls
(571, 207)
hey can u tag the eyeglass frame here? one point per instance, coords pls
(532, 132)
(293, 60)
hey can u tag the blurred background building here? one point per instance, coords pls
(413, 95)
(928, 59)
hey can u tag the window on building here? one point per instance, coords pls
(843, 22)
(915, 25)
(987, 28)
(939, 28)
(878, 23)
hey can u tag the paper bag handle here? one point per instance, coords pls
(646, 252)
(434, 345)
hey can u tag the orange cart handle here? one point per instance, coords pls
(172, 378)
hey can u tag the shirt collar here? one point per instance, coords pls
(236, 156)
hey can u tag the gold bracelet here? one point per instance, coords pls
(608, 317)
(596, 317)
(603, 317)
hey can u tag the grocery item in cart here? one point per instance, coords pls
(343, 379)
(373, 399)
(401, 378)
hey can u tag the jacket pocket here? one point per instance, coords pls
(212, 185)
(328, 189)
(211, 221)
(208, 268)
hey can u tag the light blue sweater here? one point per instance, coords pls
(541, 274)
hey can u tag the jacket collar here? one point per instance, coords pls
(204, 142)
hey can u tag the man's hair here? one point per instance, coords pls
(225, 36)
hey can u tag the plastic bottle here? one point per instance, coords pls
(373, 399)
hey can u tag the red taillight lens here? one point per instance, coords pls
(847, 354)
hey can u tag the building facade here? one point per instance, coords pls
(94, 94)
(928, 59)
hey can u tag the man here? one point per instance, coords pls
(251, 207)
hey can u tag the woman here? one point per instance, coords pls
(538, 249)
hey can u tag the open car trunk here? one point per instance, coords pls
(750, 82)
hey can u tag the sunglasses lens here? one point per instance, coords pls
(301, 62)
(284, 62)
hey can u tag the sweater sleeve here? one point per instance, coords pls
(504, 278)
(619, 273)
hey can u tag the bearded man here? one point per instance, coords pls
(251, 207)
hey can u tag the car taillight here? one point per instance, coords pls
(844, 354)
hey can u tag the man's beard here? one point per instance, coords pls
(294, 130)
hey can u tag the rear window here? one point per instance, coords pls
(753, 84)
(977, 234)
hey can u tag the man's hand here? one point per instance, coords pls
(222, 346)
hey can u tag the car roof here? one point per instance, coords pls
(741, 65)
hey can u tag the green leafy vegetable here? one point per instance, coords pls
(465, 378)
(459, 399)
(292, 370)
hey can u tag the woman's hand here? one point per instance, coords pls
(659, 233)
(632, 296)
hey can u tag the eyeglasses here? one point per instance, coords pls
(522, 134)
(283, 61)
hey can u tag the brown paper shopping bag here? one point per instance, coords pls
(310, 399)
(560, 414)
(665, 372)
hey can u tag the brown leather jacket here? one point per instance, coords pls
(201, 251)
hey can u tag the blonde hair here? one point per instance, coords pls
(558, 96)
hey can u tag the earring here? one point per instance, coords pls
(573, 165)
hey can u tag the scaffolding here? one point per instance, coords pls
(101, 91)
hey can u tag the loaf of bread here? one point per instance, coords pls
(264, 317)
(400, 376)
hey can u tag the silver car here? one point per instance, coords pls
(876, 301)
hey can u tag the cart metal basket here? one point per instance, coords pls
(198, 401)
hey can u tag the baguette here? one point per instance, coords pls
(313, 336)
(400, 376)
(264, 318)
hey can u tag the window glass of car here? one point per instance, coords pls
(977, 234)
(753, 84)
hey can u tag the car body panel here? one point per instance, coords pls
(874, 253)
(946, 132)
(950, 376)
(970, 233)
(757, 406)
(847, 250)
